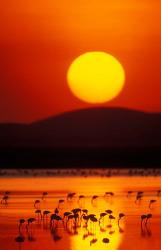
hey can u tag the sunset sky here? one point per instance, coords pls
(39, 40)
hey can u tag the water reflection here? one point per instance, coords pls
(87, 217)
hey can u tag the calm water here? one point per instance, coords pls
(76, 235)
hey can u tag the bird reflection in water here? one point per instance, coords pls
(79, 220)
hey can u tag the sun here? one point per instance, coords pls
(96, 77)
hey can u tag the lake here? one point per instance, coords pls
(130, 196)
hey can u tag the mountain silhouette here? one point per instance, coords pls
(93, 127)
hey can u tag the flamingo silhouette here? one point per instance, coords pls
(94, 200)
(70, 196)
(36, 204)
(44, 194)
(108, 211)
(56, 211)
(80, 200)
(60, 203)
(38, 212)
(81, 197)
(148, 216)
(85, 211)
(151, 202)
(138, 197)
(4, 200)
(54, 217)
(70, 218)
(111, 217)
(29, 222)
(45, 213)
(21, 222)
(129, 193)
(143, 217)
(101, 218)
(76, 210)
(121, 215)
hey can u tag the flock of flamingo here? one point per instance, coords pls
(78, 217)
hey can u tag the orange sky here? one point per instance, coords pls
(39, 39)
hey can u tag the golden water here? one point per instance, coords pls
(129, 236)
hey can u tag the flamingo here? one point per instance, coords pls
(29, 222)
(54, 217)
(148, 216)
(60, 203)
(108, 211)
(111, 217)
(102, 215)
(143, 217)
(56, 210)
(21, 221)
(38, 212)
(139, 196)
(151, 202)
(45, 213)
(4, 200)
(44, 194)
(36, 203)
(80, 200)
(129, 193)
(70, 196)
(121, 215)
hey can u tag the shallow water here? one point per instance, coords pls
(128, 235)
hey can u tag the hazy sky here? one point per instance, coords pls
(39, 39)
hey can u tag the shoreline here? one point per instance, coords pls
(80, 172)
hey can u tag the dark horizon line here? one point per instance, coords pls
(79, 110)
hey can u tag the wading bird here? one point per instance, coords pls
(44, 194)
(21, 222)
(53, 218)
(4, 200)
(39, 214)
(29, 222)
(70, 196)
(108, 211)
(56, 211)
(139, 197)
(143, 217)
(45, 213)
(111, 217)
(121, 215)
(60, 203)
(151, 202)
(101, 218)
(148, 216)
(129, 193)
(36, 204)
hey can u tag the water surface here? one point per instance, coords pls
(128, 235)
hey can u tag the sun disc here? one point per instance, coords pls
(96, 77)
